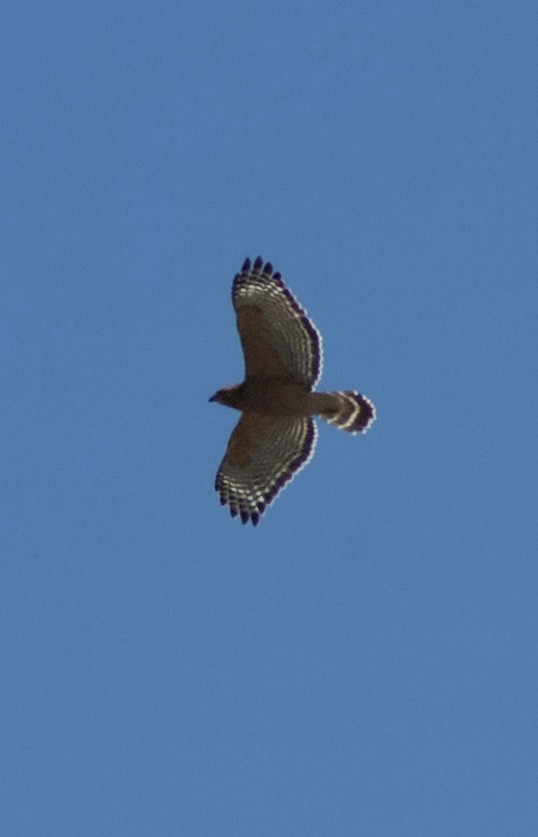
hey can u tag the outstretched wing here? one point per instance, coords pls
(263, 454)
(279, 340)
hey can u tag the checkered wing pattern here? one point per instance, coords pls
(264, 453)
(278, 338)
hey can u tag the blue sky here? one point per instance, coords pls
(364, 662)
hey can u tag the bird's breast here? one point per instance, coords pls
(276, 397)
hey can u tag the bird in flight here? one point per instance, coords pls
(276, 435)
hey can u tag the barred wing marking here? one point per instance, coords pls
(278, 338)
(264, 453)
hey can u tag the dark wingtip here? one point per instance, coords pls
(246, 266)
(268, 268)
(258, 264)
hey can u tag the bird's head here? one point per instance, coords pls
(229, 396)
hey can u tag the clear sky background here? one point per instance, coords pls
(364, 662)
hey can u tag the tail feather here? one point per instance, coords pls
(347, 410)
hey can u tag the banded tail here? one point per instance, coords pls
(347, 410)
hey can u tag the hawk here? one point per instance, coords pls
(276, 436)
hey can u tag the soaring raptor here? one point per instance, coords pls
(276, 436)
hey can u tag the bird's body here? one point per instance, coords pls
(272, 396)
(278, 397)
(275, 436)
